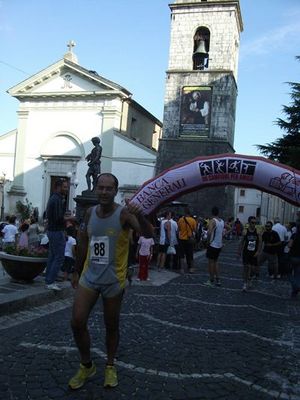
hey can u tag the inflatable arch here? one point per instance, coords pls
(220, 169)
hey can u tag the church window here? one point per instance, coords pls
(201, 49)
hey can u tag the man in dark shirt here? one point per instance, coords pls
(271, 244)
(55, 233)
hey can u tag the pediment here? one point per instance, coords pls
(66, 78)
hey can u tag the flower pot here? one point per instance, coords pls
(22, 268)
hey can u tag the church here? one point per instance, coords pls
(61, 108)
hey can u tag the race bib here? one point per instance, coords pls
(251, 245)
(99, 249)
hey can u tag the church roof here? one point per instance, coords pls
(37, 84)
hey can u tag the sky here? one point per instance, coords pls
(127, 41)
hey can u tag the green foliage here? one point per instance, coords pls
(25, 210)
(26, 252)
(286, 149)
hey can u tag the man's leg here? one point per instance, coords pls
(211, 269)
(111, 310)
(57, 252)
(84, 301)
(216, 272)
(190, 256)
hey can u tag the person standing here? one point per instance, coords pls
(215, 244)
(70, 252)
(101, 264)
(187, 227)
(144, 255)
(249, 247)
(294, 245)
(55, 233)
(271, 244)
(164, 240)
(33, 233)
(10, 232)
(283, 234)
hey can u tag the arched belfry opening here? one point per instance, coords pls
(201, 48)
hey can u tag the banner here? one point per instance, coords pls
(221, 169)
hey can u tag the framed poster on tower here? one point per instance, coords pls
(195, 111)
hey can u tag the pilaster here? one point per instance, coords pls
(17, 188)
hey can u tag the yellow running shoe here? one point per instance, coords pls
(111, 379)
(81, 376)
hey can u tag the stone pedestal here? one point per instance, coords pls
(83, 202)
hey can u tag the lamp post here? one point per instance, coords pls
(2, 184)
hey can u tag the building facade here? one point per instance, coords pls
(201, 91)
(61, 108)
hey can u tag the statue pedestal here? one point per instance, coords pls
(83, 202)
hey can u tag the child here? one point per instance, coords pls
(144, 254)
(23, 239)
(69, 261)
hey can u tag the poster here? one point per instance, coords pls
(195, 110)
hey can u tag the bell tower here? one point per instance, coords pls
(201, 91)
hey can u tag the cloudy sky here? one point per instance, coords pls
(127, 41)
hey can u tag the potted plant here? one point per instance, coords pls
(23, 264)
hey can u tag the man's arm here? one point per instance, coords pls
(242, 244)
(210, 229)
(132, 217)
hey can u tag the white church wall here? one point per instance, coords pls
(133, 165)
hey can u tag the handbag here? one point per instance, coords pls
(192, 238)
(171, 250)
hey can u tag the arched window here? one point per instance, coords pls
(201, 48)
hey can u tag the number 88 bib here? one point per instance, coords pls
(99, 249)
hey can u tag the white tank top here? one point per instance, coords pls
(217, 236)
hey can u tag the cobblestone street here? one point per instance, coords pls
(180, 340)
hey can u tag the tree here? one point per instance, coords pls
(286, 149)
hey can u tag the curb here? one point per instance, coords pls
(17, 297)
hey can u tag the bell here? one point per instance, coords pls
(201, 48)
(200, 56)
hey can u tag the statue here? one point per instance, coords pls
(93, 163)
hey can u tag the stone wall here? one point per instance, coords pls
(177, 151)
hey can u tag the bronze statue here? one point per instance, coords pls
(93, 163)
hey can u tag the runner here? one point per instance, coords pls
(102, 254)
(249, 247)
(215, 239)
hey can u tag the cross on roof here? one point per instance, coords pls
(71, 44)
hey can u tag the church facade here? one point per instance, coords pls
(61, 108)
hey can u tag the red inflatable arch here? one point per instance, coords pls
(220, 169)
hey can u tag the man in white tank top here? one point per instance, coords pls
(215, 240)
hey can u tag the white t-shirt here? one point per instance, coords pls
(9, 232)
(281, 230)
(145, 245)
(217, 235)
(68, 247)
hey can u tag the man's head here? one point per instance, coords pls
(61, 186)
(187, 211)
(276, 220)
(95, 140)
(106, 188)
(215, 211)
(268, 225)
(252, 221)
(12, 219)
